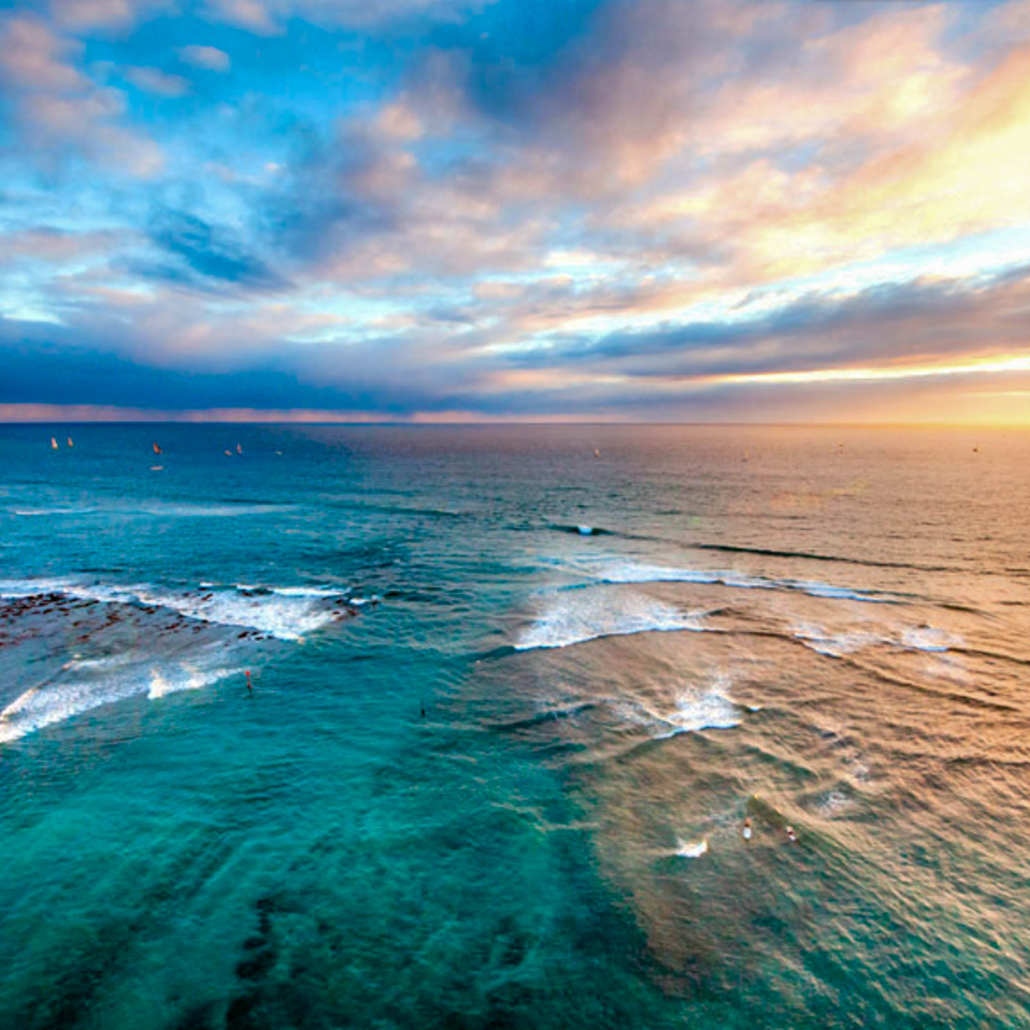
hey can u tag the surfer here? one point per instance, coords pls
(250, 686)
(746, 832)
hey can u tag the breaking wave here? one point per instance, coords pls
(691, 712)
(288, 613)
(582, 615)
(622, 571)
(99, 682)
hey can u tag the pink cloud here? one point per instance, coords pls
(252, 15)
(77, 14)
(52, 245)
(153, 80)
(208, 57)
(57, 107)
(32, 57)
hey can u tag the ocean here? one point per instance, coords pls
(513, 692)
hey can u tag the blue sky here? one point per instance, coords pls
(445, 211)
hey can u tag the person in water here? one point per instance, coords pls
(746, 833)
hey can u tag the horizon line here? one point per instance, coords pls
(502, 423)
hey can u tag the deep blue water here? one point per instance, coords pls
(515, 691)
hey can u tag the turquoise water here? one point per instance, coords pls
(515, 691)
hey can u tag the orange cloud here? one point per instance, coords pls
(975, 179)
(964, 170)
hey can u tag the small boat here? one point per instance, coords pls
(53, 442)
(70, 444)
(239, 449)
(157, 450)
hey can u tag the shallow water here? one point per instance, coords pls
(512, 703)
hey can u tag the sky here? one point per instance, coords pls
(515, 210)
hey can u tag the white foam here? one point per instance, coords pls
(54, 702)
(844, 642)
(693, 849)
(185, 677)
(613, 570)
(288, 613)
(573, 617)
(107, 662)
(927, 638)
(835, 645)
(15, 588)
(168, 509)
(692, 711)
(288, 618)
(307, 591)
(832, 802)
(709, 710)
(159, 509)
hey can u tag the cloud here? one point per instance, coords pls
(598, 206)
(58, 110)
(51, 245)
(34, 58)
(206, 253)
(153, 80)
(903, 326)
(179, 353)
(207, 57)
(763, 140)
(268, 17)
(360, 206)
(89, 14)
(252, 15)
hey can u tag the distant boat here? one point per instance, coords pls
(70, 444)
(157, 450)
(229, 453)
(53, 442)
(239, 449)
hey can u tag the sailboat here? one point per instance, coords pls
(70, 444)
(239, 449)
(157, 450)
(53, 442)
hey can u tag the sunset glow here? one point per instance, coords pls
(467, 211)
